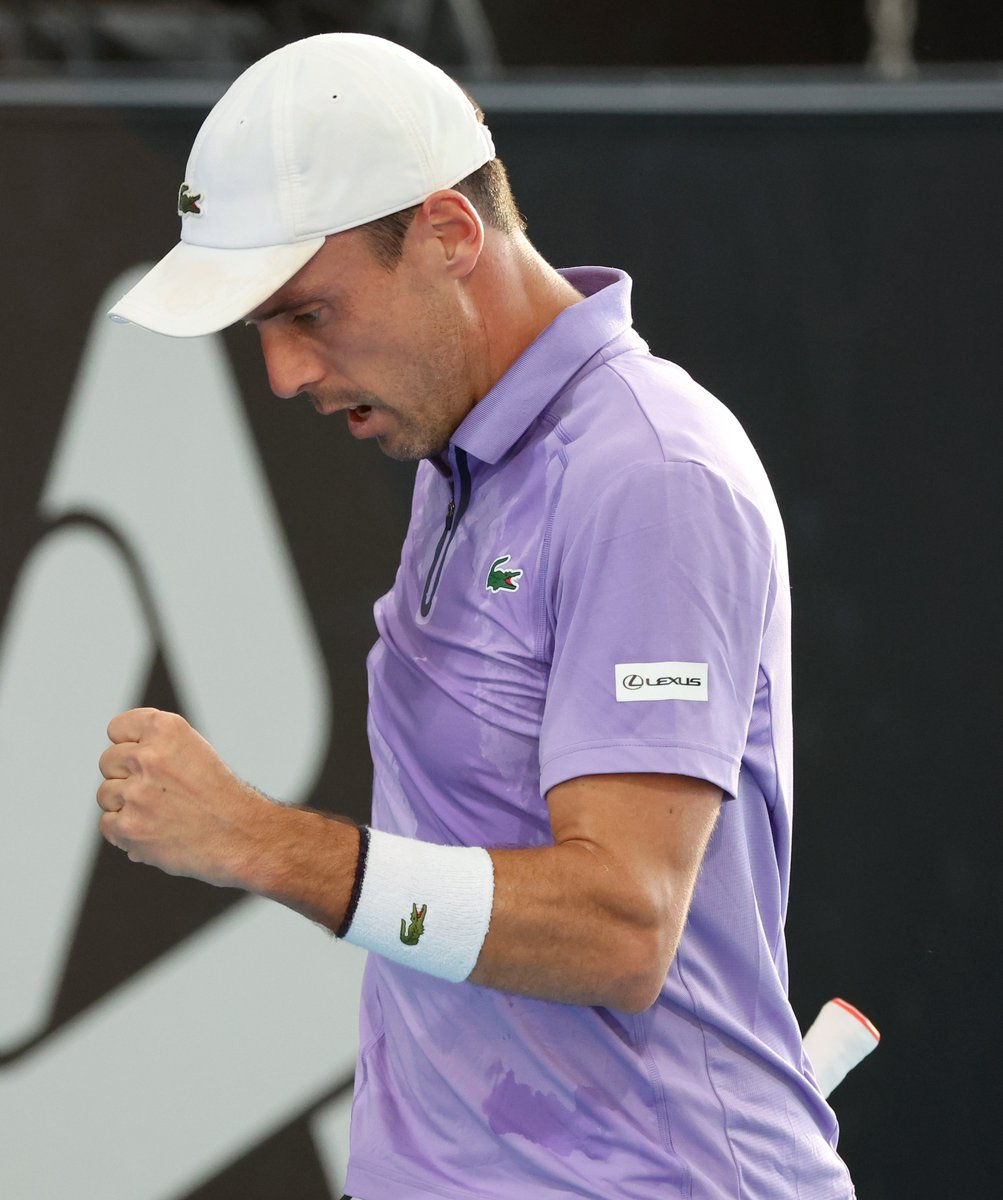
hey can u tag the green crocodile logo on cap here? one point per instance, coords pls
(502, 581)
(188, 201)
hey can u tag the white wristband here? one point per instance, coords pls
(422, 905)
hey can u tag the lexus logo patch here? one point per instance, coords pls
(661, 681)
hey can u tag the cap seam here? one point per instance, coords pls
(283, 130)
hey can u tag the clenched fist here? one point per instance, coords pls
(170, 801)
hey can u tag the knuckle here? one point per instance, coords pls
(110, 796)
(165, 722)
(154, 763)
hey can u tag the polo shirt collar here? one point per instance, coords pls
(498, 421)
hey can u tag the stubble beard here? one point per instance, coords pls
(414, 440)
(443, 404)
(436, 387)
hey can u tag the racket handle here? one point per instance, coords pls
(839, 1038)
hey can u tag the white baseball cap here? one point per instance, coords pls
(322, 135)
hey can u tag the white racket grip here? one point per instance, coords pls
(839, 1038)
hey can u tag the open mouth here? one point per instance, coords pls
(358, 417)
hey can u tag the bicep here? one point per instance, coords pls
(649, 831)
(626, 855)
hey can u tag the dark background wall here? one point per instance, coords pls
(835, 280)
(687, 33)
(503, 35)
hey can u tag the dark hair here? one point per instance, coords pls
(487, 189)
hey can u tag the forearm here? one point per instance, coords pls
(557, 931)
(565, 925)
(305, 860)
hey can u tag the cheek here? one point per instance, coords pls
(415, 348)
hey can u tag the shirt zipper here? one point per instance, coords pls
(454, 513)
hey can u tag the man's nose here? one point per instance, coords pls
(292, 367)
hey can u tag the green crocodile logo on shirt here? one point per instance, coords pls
(188, 201)
(502, 581)
(411, 933)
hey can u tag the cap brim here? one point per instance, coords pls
(199, 289)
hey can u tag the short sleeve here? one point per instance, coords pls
(660, 591)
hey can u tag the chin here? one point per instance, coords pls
(411, 451)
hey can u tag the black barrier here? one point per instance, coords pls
(834, 277)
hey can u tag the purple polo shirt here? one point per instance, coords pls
(597, 584)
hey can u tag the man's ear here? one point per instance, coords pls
(456, 226)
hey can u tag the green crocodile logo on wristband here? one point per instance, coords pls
(411, 933)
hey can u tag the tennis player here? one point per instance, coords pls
(575, 880)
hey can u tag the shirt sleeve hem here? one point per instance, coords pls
(615, 758)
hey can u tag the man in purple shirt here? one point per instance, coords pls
(575, 879)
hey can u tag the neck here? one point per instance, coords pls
(516, 294)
